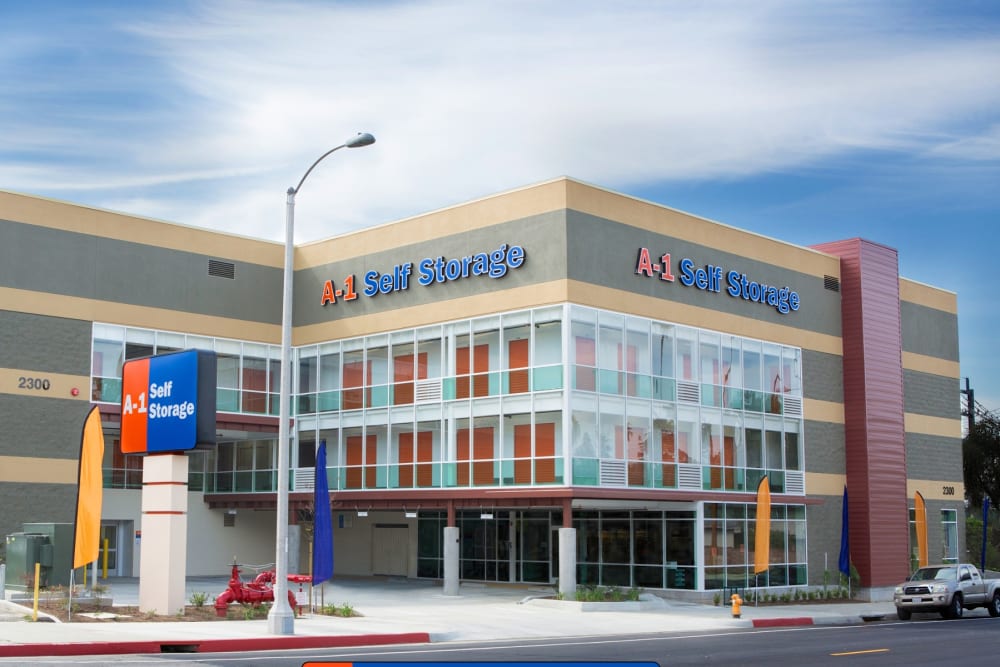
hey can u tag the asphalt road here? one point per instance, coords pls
(926, 641)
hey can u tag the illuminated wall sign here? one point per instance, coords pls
(710, 279)
(168, 402)
(428, 271)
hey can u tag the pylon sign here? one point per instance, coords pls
(168, 402)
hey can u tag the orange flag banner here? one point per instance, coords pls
(87, 531)
(762, 541)
(920, 517)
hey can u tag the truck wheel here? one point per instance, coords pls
(903, 614)
(954, 609)
(994, 605)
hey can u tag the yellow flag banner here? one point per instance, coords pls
(920, 517)
(87, 530)
(762, 541)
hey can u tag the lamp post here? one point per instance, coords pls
(281, 618)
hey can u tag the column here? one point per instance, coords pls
(163, 561)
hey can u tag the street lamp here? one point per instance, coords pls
(281, 618)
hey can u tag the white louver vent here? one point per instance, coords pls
(688, 477)
(428, 391)
(795, 483)
(612, 473)
(793, 406)
(303, 479)
(688, 392)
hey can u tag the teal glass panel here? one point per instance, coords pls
(305, 404)
(772, 404)
(753, 476)
(227, 400)
(496, 380)
(776, 479)
(448, 388)
(732, 398)
(610, 381)
(108, 389)
(663, 389)
(507, 472)
(711, 396)
(639, 385)
(328, 401)
(547, 378)
(450, 472)
(585, 472)
(753, 401)
(379, 396)
(264, 480)
(243, 481)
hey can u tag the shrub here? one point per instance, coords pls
(199, 599)
(716, 599)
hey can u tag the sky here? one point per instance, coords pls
(805, 121)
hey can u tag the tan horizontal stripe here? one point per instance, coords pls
(823, 411)
(60, 385)
(79, 308)
(492, 210)
(942, 426)
(35, 470)
(926, 295)
(706, 318)
(935, 489)
(560, 194)
(69, 217)
(662, 220)
(825, 484)
(933, 365)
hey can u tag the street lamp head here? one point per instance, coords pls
(359, 140)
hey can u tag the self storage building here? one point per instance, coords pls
(556, 379)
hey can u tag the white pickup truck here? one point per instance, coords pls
(947, 589)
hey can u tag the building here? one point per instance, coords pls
(560, 375)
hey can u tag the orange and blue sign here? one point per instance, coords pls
(168, 402)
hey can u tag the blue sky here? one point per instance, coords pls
(804, 121)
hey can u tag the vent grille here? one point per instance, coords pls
(228, 520)
(795, 483)
(612, 473)
(688, 392)
(688, 477)
(831, 283)
(221, 269)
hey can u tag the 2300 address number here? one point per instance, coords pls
(33, 383)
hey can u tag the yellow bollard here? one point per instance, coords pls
(34, 608)
(737, 604)
(104, 561)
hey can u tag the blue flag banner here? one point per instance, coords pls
(845, 541)
(322, 565)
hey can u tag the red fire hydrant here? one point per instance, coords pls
(737, 604)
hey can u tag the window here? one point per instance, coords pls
(949, 525)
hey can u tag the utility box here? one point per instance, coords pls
(58, 553)
(23, 551)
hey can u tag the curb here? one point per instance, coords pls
(209, 645)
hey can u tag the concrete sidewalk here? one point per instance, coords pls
(405, 611)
